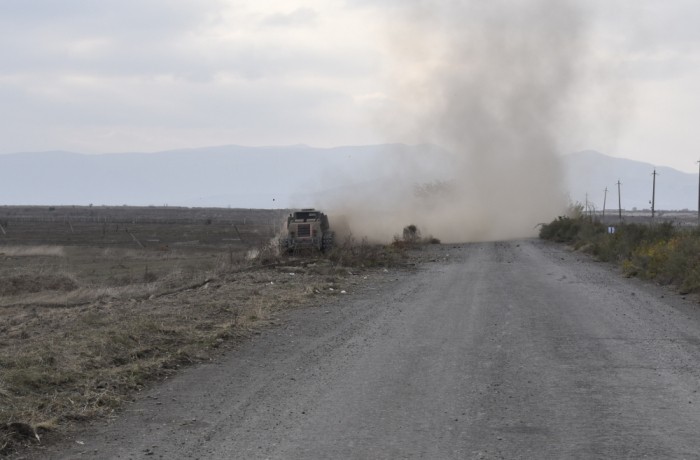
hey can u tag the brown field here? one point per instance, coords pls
(98, 302)
(137, 227)
(678, 218)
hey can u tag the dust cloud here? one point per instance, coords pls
(485, 88)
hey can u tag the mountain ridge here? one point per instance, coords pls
(289, 176)
(589, 171)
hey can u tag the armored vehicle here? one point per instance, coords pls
(308, 229)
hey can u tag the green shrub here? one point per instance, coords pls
(574, 230)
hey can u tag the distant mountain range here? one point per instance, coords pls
(290, 176)
(235, 176)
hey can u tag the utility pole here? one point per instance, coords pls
(653, 193)
(605, 198)
(619, 200)
(585, 211)
(698, 162)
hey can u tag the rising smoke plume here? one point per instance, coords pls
(489, 83)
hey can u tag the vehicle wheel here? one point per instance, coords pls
(327, 242)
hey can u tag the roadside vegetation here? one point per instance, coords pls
(84, 329)
(661, 252)
(411, 237)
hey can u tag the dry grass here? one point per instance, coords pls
(32, 251)
(30, 283)
(61, 365)
(353, 253)
(109, 322)
(82, 328)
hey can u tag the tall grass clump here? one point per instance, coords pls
(675, 260)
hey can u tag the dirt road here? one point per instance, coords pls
(509, 350)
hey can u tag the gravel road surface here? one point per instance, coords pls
(504, 350)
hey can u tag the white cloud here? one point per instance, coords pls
(252, 72)
(298, 17)
(648, 65)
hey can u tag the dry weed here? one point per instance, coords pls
(107, 341)
(267, 253)
(30, 283)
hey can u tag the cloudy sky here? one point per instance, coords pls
(99, 76)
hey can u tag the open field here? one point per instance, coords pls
(137, 227)
(677, 218)
(95, 303)
(68, 255)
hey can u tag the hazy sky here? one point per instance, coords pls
(100, 76)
